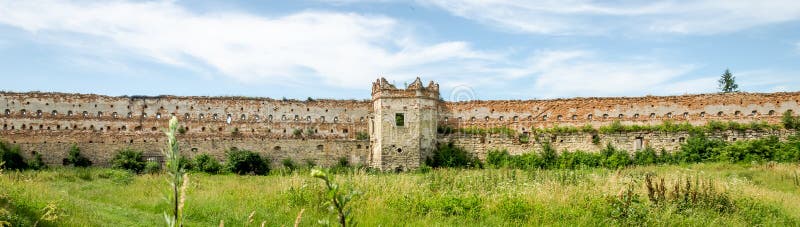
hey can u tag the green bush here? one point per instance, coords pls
(448, 155)
(362, 136)
(699, 148)
(128, 159)
(207, 164)
(12, 157)
(75, 158)
(646, 156)
(614, 158)
(152, 167)
(289, 164)
(37, 163)
(790, 122)
(246, 162)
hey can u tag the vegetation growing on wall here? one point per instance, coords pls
(75, 158)
(698, 148)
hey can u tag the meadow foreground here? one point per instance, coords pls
(697, 194)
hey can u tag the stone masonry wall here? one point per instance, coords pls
(479, 145)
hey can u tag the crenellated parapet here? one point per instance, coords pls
(382, 88)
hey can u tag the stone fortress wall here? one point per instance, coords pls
(48, 123)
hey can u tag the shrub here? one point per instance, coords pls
(152, 167)
(207, 164)
(448, 155)
(646, 156)
(362, 136)
(342, 162)
(297, 132)
(186, 163)
(497, 158)
(578, 159)
(37, 163)
(11, 156)
(614, 158)
(790, 122)
(246, 162)
(524, 138)
(74, 158)
(128, 159)
(699, 148)
(289, 164)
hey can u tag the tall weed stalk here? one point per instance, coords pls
(176, 176)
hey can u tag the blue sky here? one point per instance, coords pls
(493, 49)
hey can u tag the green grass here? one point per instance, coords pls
(763, 194)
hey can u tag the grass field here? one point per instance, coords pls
(728, 194)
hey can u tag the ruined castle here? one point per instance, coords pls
(396, 130)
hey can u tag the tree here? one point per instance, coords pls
(727, 83)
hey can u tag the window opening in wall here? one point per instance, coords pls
(38, 113)
(277, 148)
(702, 114)
(500, 118)
(652, 115)
(7, 112)
(636, 115)
(589, 117)
(214, 117)
(754, 113)
(319, 147)
(269, 118)
(186, 116)
(669, 115)
(322, 118)
(620, 116)
(228, 119)
(516, 118)
(681, 139)
(544, 118)
(335, 119)
(638, 143)
(158, 115)
(399, 150)
(771, 112)
(399, 119)
(685, 114)
(737, 113)
(358, 146)
(720, 113)
(22, 112)
(243, 117)
(257, 118)
(296, 117)
(605, 116)
(114, 114)
(574, 117)
(559, 117)
(308, 118)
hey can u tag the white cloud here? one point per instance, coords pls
(593, 17)
(565, 74)
(340, 49)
